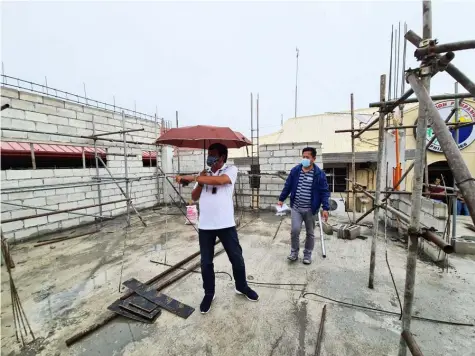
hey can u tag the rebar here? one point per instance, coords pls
(47, 209)
(19, 316)
(34, 188)
(60, 211)
(80, 136)
(123, 131)
(75, 338)
(123, 193)
(64, 238)
(318, 346)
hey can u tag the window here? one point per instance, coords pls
(19, 155)
(336, 178)
(149, 158)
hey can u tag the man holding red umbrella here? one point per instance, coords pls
(214, 189)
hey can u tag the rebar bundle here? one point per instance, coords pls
(22, 326)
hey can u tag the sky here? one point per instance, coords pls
(203, 59)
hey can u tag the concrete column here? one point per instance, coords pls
(167, 167)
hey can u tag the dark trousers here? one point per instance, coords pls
(230, 241)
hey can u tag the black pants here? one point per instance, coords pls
(230, 241)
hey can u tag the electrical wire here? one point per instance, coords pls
(386, 244)
(385, 311)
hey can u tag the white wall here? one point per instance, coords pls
(273, 158)
(38, 113)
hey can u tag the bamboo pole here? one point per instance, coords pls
(452, 70)
(411, 166)
(463, 178)
(382, 97)
(414, 226)
(353, 155)
(454, 200)
(446, 47)
(96, 158)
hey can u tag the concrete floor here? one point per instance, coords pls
(67, 286)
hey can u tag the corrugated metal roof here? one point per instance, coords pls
(360, 157)
(149, 154)
(44, 150)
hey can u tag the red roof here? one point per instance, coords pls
(47, 150)
(149, 154)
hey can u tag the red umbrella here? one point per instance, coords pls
(202, 136)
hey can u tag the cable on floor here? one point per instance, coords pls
(385, 311)
(386, 253)
(394, 284)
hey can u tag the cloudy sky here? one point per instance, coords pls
(204, 59)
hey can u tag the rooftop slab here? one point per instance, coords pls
(65, 287)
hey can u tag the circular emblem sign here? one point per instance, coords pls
(466, 114)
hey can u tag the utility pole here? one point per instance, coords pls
(296, 80)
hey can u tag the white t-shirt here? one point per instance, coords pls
(217, 210)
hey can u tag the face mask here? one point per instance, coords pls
(210, 161)
(305, 162)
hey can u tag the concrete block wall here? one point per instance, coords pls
(283, 157)
(273, 158)
(41, 113)
(433, 214)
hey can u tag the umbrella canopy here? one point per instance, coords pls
(202, 136)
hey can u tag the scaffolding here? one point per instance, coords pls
(434, 58)
(98, 180)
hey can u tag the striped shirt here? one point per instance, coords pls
(303, 196)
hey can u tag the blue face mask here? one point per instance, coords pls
(305, 162)
(211, 161)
